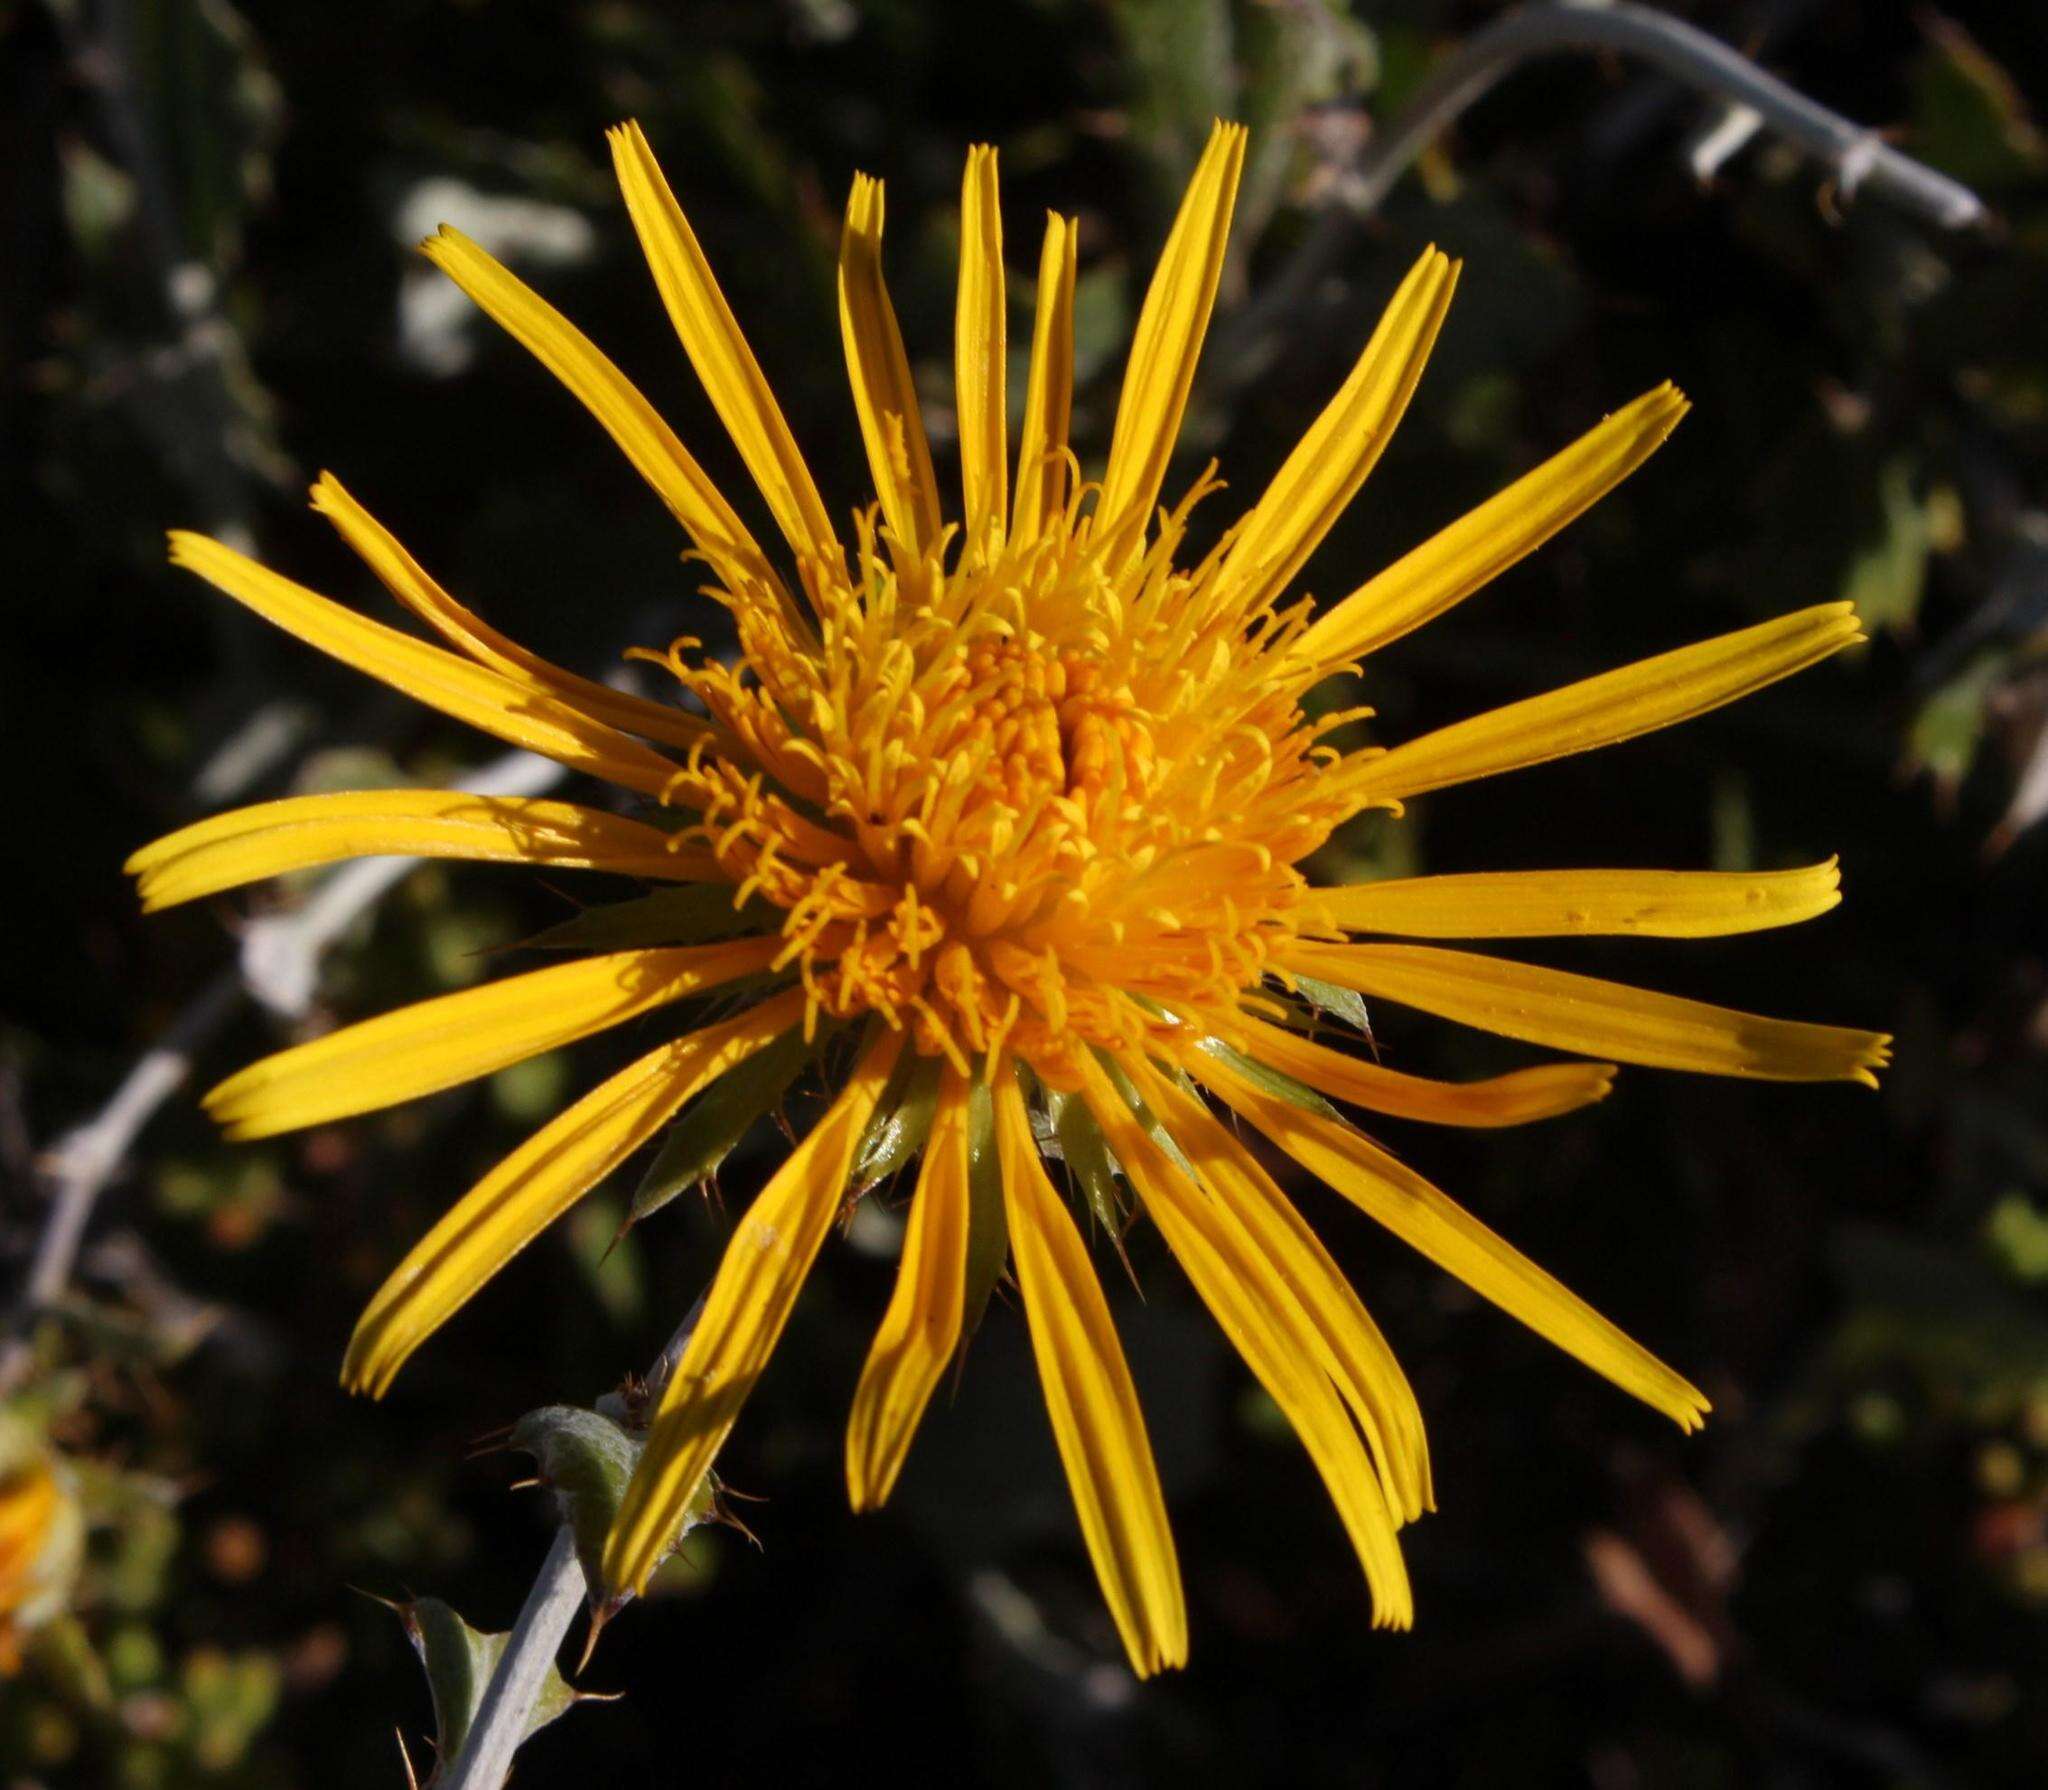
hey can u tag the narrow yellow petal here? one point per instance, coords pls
(473, 693)
(891, 424)
(247, 844)
(1671, 904)
(1451, 565)
(980, 322)
(1615, 706)
(1436, 1226)
(540, 1181)
(1092, 1403)
(1168, 339)
(1352, 1351)
(1049, 394)
(611, 398)
(1608, 1019)
(470, 633)
(758, 1279)
(1267, 1328)
(1332, 460)
(1519, 1098)
(922, 1325)
(456, 1038)
(711, 337)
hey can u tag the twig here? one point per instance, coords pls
(558, 1589)
(1751, 101)
(1856, 157)
(280, 968)
(85, 1160)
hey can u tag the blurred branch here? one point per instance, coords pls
(504, 1716)
(1750, 101)
(1856, 157)
(279, 969)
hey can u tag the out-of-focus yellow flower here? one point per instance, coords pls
(42, 1534)
(1026, 796)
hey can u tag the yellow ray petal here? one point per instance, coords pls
(712, 339)
(456, 1038)
(1519, 1098)
(922, 1325)
(1615, 706)
(1436, 1226)
(891, 424)
(1671, 904)
(1168, 339)
(1353, 1352)
(749, 1302)
(540, 1181)
(1451, 565)
(1266, 1327)
(247, 844)
(468, 632)
(1049, 393)
(1332, 460)
(473, 693)
(1092, 1403)
(646, 441)
(1608, 1019)
(980, 321)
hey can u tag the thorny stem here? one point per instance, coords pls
(501, 1718)
(558, 1589)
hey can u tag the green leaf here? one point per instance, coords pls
(1089, 1159)
(459, 1661)
(1949, 727)
(711, 1129)
(988, 1228)
(1146, 1116)
(1343, 1004)
(586, 1460)
(1888, 573)
(694, 915)
(902, 1121)
(1273, 1081)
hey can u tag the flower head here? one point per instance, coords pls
(1007, 806)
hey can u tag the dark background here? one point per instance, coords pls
(1844, 1580)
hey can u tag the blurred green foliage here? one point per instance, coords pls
(211, 295)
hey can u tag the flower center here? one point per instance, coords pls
(997, 803)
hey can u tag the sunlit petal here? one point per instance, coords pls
(922, 1325)
(750, 1299)
(442, 1043)
(1607, 1019)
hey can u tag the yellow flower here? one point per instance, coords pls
(1026, 797)
(41, 1538)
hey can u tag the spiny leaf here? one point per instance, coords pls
(459, 1661)
(1089, 1159)
(988, 1229)
(902, 1121)
(1274, 1081)
(711, 1129)
(1342, 1004)
(586, 1459)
